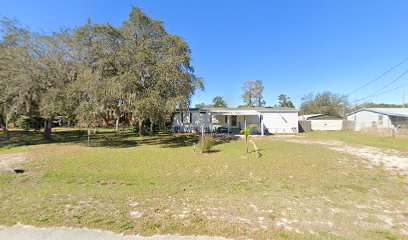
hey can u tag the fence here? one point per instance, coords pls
(348, 125)
(305, 126)
(386, 132)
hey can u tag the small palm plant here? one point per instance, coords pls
(246, 132)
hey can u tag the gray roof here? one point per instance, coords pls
(398, 112)
(249, 109)
(259, 109)
(318, 116)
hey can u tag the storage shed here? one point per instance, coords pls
(323, 122)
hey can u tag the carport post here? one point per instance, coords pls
(262, 127)
(244, 122)
(228, 124)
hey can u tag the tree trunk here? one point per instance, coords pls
(89, 135)
(47, 129)
(5, 130)
(117, 124)
(151, 127)
(246, 144)
(140, 127)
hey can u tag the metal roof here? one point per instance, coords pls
(398, 112)
(242, 111)
(306, 116)
(233, 112)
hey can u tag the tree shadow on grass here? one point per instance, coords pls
(103, 139)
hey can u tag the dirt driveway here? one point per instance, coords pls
(388, 158)
(23, 232)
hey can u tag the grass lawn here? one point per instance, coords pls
(159, 185)
(364, 139)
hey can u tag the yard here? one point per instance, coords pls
(159, 185)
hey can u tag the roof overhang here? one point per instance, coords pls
(380, 112)
(235, 112)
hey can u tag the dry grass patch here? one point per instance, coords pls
(160, 186)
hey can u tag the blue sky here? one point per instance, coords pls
(295, 47)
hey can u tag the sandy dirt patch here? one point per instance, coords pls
(390, 159)
(23, 232)
(11, 161)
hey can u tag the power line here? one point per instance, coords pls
(380, 76)
(390, 90)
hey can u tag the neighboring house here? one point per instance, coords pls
(323, 122)
(379, 117)
(267, 120)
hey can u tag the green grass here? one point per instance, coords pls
(364, 139)
(159, 185)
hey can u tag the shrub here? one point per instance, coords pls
(24, 122)
(206, 143)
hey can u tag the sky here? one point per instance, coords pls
(295, 47)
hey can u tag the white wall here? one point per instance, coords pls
(198, 120)
(326, 125)
(284, 122)
(366, 119)
(274, 122)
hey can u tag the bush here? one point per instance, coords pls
(206, 143)
(24, 122)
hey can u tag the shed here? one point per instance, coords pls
(323, 122)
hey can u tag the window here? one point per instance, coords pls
(234, 121)
(380, 119)
(186, 118)
(213, 119)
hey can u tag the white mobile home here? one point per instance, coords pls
(267, 120)
(392, 118)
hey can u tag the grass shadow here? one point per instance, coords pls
(103, 138)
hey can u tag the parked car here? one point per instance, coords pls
(222, 130)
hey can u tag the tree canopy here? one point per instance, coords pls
(81, 73)
(217, 102)
(285, 101)
(325, 103)
(253, 94)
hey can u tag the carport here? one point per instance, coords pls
(244, 113)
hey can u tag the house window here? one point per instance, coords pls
(213, 119)
(234, 121)
(380, 119)
(186, 118)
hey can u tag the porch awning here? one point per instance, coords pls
(236, 112)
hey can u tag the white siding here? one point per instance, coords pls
(284, 122)
(198, 120)
(274, 122)
(366, 119)
(326, 125)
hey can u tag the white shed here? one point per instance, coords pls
(323, 122)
